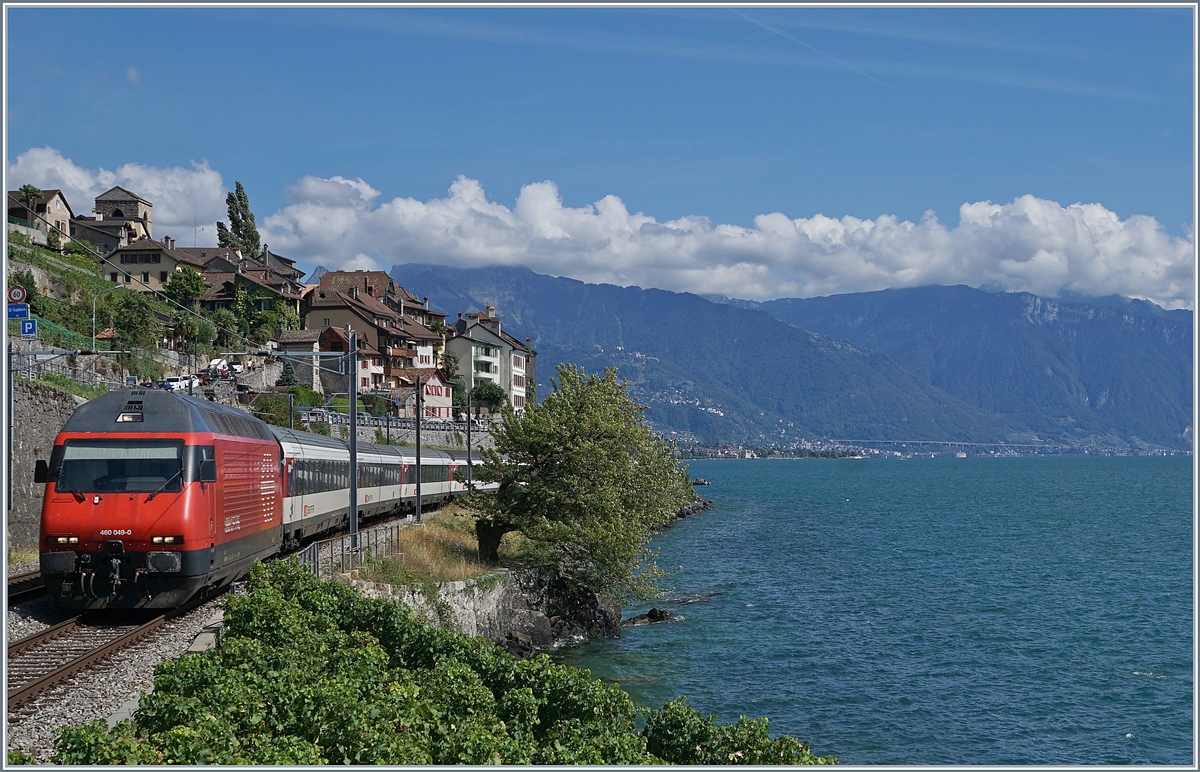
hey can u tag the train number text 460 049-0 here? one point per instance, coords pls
(117, 532)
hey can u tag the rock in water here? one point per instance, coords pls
(653, 615)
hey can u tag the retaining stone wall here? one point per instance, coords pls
(39, 413)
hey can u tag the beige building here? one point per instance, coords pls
(144, 265)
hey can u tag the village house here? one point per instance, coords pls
(379, 285)
(486, 353)
(369, 375)
(402, 341)
(51, 210)
(265, 296)
(437, 394)
(145, 265)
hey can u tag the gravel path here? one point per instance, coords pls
(99, 692)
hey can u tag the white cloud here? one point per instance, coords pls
(183, 198)
(1030, 244)
(134, 76)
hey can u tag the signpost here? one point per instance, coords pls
(16, 294)
(29, 328)
(18, 310)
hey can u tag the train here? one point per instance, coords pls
(154, 498)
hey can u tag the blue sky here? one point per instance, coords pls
(686, 115)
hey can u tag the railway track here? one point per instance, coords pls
(23, 587)
(47, 658)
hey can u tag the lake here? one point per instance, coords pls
(1028, 610)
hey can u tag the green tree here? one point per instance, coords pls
(133, 319)
(450, 365)
(241, 233)
(288, 377)
(227, 326)
(583, 477)
(490, 393)
(30, 194)
(185, 287)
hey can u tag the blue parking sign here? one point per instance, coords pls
(29, 328)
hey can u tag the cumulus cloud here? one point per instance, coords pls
(182, 197)
(1029, 244)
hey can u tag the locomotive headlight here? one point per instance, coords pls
(66, 540)
(167, 539)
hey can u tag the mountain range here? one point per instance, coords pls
(932, 363)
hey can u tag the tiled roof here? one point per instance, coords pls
(299, 336)
(123, 190)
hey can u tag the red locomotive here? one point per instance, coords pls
(157, 497)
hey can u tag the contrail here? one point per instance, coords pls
(795, 39)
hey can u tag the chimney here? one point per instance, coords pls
(426, 301)
(529, 344)
(354, 292)
(460, 316)
(491, 311)
(99, 214)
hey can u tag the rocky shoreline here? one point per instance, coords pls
(524, 612)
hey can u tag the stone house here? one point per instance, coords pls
(297, 343)
(119, 218)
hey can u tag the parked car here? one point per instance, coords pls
(180, 383)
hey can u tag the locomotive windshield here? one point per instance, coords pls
(133, 466)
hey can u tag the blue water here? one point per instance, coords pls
(934, 611)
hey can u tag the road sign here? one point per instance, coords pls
(16, 294)
(18, 310)
(29, 328)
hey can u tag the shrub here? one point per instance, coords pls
(311, 672)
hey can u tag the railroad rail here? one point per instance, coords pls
(43, 659)
(23, 587)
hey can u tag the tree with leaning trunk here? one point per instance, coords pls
(583, 477)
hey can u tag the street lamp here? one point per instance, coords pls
(94, 299)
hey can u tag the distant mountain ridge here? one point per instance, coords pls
(740, 372)
(714, 371)
(1067, 368)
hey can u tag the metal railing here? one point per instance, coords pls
(32, 367)
(344, 553)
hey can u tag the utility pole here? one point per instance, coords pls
(419, 474)
(353, 395)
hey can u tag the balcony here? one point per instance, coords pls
(395, 351)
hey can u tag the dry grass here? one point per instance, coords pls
(444, 549)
